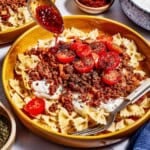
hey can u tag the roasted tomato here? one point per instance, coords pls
(113, 47)
(75, 45)
(108, 60)
(65, 56)
(81, 49)
(34, 107)
(84, 65)
(111, 77)
(98, 47)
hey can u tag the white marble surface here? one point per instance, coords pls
(25, 140)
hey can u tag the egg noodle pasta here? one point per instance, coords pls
(69, 94)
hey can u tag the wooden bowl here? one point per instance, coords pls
(6, 113)
(29, 39)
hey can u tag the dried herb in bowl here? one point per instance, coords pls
(4, 130)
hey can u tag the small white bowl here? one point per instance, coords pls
(6, 113)
(93, 10)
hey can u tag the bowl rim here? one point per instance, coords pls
(17, 28)
(94, 8)
(12, 134)
(24, 117)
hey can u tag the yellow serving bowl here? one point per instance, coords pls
(29, 39)
(12, 34)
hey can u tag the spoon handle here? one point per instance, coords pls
(135, 95)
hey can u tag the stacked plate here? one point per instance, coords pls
(138, 11)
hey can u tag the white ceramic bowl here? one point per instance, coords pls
(4, 111)
(93, 10)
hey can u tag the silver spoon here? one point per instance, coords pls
(46, 14)
(131, 98)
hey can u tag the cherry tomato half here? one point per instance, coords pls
(35, 107)
(98, 47)
(75, 45)
(84, 65)
(81, 49)
(111, 77)
(108, 60)
(113, 47)
(65, 56)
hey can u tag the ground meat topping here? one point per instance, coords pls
(90, 85)
(53, 107)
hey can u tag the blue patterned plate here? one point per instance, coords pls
(139, 14)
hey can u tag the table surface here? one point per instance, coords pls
(25, 140)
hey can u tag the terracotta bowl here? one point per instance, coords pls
(93, 10)
(29, 39)
(6, 113)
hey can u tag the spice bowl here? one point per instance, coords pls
(92, 9)
(7, 120)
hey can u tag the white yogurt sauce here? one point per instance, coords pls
(41, 89)
(111, 104)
